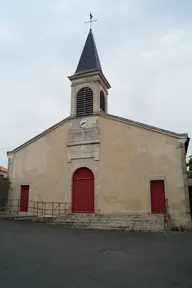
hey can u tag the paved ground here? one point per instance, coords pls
(41, 255)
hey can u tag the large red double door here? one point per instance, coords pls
(83, 191)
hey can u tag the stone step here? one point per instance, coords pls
(120, 222)
(127, 221)
(109, 220)
(136, 222)
(116, 217)
(111, 227)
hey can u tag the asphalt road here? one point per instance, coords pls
(42, 255)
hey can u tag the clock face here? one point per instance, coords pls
(83, 123)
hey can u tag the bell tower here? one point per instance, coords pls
(89, 98)
(89, 87)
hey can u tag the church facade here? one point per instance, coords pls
(100, 163)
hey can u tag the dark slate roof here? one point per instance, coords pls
(89, 60)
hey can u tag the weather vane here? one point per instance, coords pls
(90, 20)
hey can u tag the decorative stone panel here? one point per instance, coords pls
(83, 143)
(81, 135)
(83, 151)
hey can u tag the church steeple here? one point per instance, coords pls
(89, 60)
(89, 92)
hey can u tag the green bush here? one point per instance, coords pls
(189, 165)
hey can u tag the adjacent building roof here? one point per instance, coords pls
(113, 117)
(3, 169)
(89, 60)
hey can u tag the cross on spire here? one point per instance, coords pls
(90, 20)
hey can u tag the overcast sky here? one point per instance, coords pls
(145, 49)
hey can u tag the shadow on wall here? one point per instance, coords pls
(4, 190)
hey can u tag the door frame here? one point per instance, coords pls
(156, 178)
(93, 179)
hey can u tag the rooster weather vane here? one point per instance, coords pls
(90, 21)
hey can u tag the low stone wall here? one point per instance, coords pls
(180, 221)
(129, 222)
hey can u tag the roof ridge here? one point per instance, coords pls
(143, 125)
(106, 115)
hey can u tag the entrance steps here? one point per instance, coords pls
(129, 222)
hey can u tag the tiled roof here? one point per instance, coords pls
(3, 169)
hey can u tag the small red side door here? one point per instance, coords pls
(157, 197)
(24, 199)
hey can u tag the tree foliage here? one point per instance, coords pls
(189, 165)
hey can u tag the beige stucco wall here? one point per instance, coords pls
(42, 165)
(129, 157)
(45, 166)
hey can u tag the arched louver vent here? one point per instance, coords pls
(102, 101)
(84, 102)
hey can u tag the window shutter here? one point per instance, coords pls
(102, 101)
(84, 102)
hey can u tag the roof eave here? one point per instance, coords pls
(90, 73)
(148, 127)
(9, 153)
(187, 144)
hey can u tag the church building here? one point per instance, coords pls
(102, 164)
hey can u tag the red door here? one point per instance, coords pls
(157, 196)
(83, 191)
(24, 200)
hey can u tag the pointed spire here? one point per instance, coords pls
(89, 60)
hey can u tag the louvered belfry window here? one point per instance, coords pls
(84, 102)
(102, 101)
